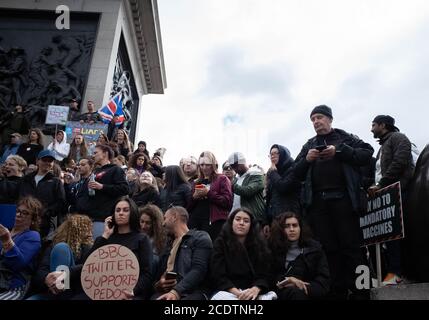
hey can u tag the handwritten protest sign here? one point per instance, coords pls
(383, 220)
(90, 132)
(109, 271)
(57, 115)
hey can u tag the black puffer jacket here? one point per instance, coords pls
(353, 154)
(396, 159)
(181, 196)
(49, 191)
(283, 188)
(310, 266)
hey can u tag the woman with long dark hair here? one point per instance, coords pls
(240, 261)
(139, 162)
(300, 267)
(78, 148)
(123, 228)
(31, 149)
(177, 191)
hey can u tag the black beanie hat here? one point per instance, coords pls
(325, 110)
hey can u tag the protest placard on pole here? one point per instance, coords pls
(383, 220)
(57, 115)
(109, 271)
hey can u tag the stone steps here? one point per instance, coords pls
(409, 291)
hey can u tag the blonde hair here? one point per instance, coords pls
(22, 164)
(76, 231)
(211, 157)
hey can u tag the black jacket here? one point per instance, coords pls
(192, 261)
(50, 191)
(181, 196)
(78, 197)
(9, 189)
(310, 266)
(283, 189)
(114, 184)
(237, 268)
(396, 159)
(147, 196)
(353, 154)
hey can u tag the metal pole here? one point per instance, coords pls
(378, 262)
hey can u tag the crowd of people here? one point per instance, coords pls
(291, 233)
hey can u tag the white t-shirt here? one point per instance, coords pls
(237, 199)
(38, 177)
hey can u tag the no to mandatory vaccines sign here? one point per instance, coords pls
(109, 271)
(383, 220)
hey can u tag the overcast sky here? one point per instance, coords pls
(245, 74)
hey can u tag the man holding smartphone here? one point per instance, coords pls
(329, 164)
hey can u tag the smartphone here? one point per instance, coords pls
(170, 275)
(200, 186)
(321, 147)
(112, 223)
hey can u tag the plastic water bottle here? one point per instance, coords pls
(91, 192)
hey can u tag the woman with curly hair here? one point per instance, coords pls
(300, 267)
(139, 162)
(70, 244)
(239, 264)
(19, 249)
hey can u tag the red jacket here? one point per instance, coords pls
(220, 197)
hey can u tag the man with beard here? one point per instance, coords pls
(184, 263)
(394, 162)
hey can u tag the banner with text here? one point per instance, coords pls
(57, 115)
(383, 220)
(90, 132)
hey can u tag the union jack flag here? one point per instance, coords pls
(114, 106)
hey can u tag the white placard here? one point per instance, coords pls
(57, 115)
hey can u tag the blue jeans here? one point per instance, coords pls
(61, 255)
(97, 229)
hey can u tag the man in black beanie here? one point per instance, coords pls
(329, 164)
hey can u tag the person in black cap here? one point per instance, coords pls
(74, 110)
(330, 164)
(394, 163)
(48, 189)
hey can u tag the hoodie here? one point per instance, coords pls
(283, 188)
(61, 149)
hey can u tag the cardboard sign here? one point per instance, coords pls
(383, 220)
(90, 132)
(7, 215)
(57, 115)
(109, 271)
